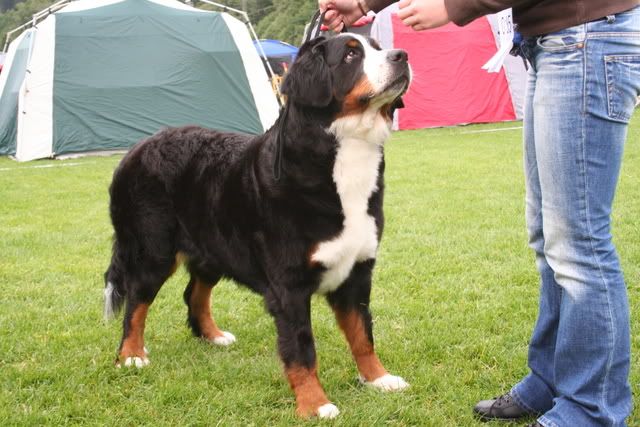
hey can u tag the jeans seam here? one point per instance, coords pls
(546, 422)
(609, 84)
(603, 35)
(590, 234)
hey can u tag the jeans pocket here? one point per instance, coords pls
(623, 85)
(561, 42)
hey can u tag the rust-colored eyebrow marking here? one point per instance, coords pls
(353, 43)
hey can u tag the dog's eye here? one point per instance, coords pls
(351, 53)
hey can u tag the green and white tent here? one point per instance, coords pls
(100, 75)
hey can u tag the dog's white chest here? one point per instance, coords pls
(356, 175)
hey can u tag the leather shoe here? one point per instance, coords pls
(501, 408)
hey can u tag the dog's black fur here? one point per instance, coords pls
(211, 196)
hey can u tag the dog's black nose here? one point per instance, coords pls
(397, 55)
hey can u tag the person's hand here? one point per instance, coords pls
(423, 14)
(340, 13)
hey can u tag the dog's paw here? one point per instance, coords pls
(386, 382)
(328, 411)
(138, 362)
(227, 338)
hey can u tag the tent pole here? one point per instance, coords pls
(227, 8)
(34, 20)
(247, 22)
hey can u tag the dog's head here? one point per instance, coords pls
(350, 74)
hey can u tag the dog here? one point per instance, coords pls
(212, 201)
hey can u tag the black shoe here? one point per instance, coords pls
(500, 408)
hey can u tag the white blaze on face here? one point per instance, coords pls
(360, 133)
(376, 65)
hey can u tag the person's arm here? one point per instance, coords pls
(461, 12)
(426, 14)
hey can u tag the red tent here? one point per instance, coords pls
(449, 86)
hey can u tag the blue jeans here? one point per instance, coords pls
(583, 84)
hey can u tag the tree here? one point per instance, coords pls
(256, 9)
(20, 14)
(8, 4)
(287, 20)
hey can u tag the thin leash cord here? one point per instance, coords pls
(315, 27)
(277, 163)
(312, 33)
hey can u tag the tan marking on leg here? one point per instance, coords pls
(362, 350)
(133, 344)
(180, 259)
(200, 303)
(309, 393)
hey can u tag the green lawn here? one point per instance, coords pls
(454, 301)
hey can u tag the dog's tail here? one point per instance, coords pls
(114, 286)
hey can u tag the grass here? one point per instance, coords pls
(454, 301)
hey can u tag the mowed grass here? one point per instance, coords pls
(454, 300)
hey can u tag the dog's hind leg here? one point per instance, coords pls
(297, 350)
(142, 280)
(197, 296)
(132, 351)
(350, 304)
(140, 296)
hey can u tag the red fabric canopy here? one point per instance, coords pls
(449, 87)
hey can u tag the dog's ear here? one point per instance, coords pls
(308, 81)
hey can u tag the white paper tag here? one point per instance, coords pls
(505, 41)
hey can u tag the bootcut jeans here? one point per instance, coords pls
(583, 85)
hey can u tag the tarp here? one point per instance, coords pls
(279, 54)
(276, 48)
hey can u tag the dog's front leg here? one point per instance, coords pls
(350, 304)
(296, 347)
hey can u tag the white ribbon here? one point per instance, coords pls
(505, 41)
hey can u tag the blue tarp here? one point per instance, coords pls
(276, 48)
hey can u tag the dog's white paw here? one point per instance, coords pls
(226, 339)
(328, 411)
(138, 362)
(387, 382)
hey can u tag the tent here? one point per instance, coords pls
(11, 79)
(100, 75)
(277, 53)
(449, 86)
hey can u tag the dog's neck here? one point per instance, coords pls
(305, 130)
(369, 126)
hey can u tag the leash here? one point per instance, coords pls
(315, 26)
(313, 31)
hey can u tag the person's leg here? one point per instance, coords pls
(578, 145)
(535, 392)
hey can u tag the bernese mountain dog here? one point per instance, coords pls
(212, 201)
